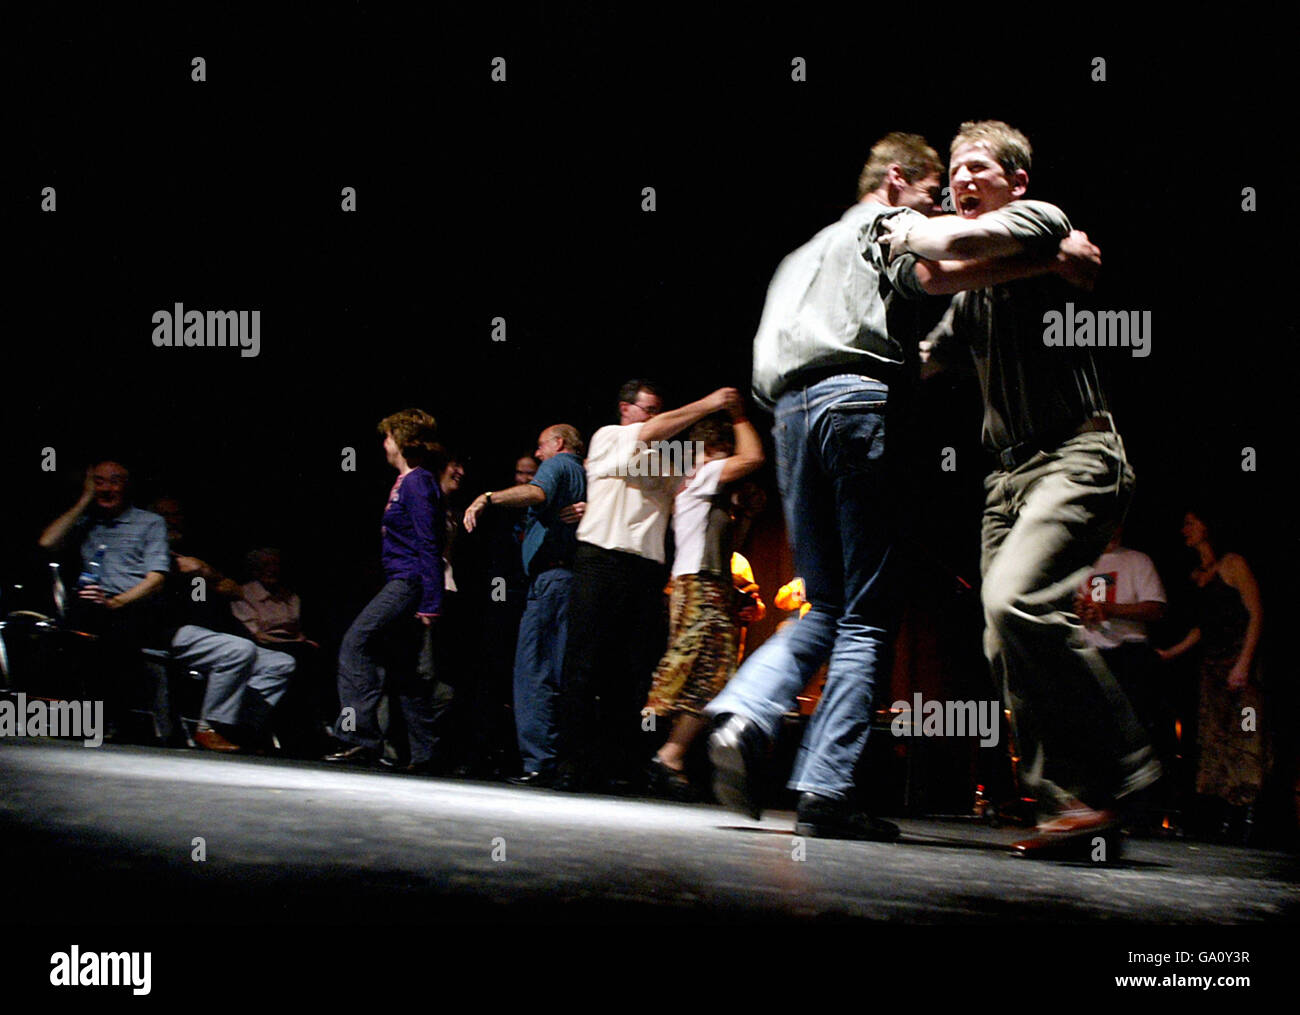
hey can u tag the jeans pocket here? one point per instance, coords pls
(854, 436)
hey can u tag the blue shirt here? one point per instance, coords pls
(413, 533)
(547, 539)
(135, 542)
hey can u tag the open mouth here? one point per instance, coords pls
(968, 203)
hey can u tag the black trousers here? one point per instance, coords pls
(617, 632)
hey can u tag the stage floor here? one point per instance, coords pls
(116, 830)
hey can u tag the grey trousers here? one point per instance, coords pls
(1045, 524)
(245, 681)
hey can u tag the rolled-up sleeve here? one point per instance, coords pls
(1036, 224)
(901, 271)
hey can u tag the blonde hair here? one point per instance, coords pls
(1006, 144)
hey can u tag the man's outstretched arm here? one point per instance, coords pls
(668, 423)
(1077, 260)
(1023, 226)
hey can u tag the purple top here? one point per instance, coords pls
(413, 533)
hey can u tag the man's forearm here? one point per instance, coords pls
(524, 495)
(152, 582)
(943, 278)
(57, 531)
(950, 238)
(668, 423)
(1149, 612)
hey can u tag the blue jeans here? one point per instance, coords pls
(840, 517)
(539, 661)
(387, 642)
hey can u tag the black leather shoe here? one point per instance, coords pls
(572, 777)
(542, 780)
(737, 749)
(429, 767)
(820, 817)
(354, 756)
(668, 783)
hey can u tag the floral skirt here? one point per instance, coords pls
(1233, 760)
(702, 645)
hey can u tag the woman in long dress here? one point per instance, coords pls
(1233, 757)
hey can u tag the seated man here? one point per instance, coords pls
(271, 613)
(245, 682)
(124, 563)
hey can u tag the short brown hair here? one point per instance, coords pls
(1006, 144)
(913, 154)
(631, 389)
(414, 432)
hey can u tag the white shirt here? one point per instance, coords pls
(1122, 576)
(628, 498)
(691, 516)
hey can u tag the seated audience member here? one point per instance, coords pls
(272, 615)
(124, 550)
(244, 681)
(123, 566)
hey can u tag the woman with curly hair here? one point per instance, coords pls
(388, 631)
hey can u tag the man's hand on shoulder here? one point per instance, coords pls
(893, 235)
(1078, 260)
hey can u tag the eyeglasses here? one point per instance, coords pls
(649, 410)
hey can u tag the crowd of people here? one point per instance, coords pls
(849, 321)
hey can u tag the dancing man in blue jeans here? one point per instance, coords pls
(825, 360)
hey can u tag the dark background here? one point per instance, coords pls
(523, 200)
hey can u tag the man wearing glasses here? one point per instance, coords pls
(615, 635)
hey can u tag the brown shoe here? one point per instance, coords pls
(211, 740)
(1074, 835)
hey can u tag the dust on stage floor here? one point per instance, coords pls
(151, 836)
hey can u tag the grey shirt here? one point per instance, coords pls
(826, 307)
(1034, 394)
